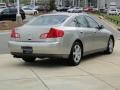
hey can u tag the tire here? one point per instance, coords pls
(13, 19)
(35, 13)
(76, 54)
(110, 46)
(29, 59)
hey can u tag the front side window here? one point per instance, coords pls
(92, 23)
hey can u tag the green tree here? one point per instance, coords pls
(67, 3)
(52, 5)
(12, 1)
(25, 1)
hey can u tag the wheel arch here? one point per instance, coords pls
(111, 36)
(78, 40)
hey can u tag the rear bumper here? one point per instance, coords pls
(40, 49)
(21, 55)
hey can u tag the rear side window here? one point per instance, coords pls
(49, 20)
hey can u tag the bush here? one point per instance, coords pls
(52, 5)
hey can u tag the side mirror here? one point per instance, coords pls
(100, 27)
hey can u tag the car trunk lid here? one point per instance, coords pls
(33, 33)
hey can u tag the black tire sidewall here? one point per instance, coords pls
(29, 59)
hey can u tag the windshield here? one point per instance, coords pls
(2, 4)
(49, 20)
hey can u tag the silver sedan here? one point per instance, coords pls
(60, 35)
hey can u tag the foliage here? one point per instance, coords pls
(52, 5)
(67, 3)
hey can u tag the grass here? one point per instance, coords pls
(113, 18)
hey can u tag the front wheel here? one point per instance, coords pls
(110, 46)
(29, 59)
(76, 54)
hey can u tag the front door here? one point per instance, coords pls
(98, 36)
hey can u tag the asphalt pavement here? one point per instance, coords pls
(95, 72)
(4, 38)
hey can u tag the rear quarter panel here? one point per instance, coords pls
(71, 34)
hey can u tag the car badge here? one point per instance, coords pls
(29, 36)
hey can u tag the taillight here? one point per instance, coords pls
(14, 34)
(53, 33)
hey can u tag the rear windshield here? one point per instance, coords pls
(48, 20)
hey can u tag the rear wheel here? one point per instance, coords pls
(76, 54)
(35, 13)
(29, 59)
(110, 46)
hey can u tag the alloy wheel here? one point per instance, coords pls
(111, 45)
(77, 53)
